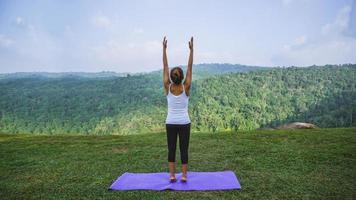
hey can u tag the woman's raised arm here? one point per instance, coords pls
(188, 78)
(165, 66)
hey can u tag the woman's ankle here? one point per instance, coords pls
(171, 166)
(184, 169)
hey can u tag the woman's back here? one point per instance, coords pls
(177, 107)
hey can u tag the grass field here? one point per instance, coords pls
(285, 164)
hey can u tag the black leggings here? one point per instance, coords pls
(184, 132)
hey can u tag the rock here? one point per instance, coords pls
(297, 125)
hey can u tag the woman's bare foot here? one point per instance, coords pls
(183, 178)
(172, 179)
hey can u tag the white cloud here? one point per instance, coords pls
(31, 46)
(300, 40)
(331, 46)
(102, 22)
(146, 56)
(330, 52)
(351, 29)
(298, 43)
(138, 31)
(286, 2)
(68, 30)
(339, 24)
(213, 57)
(289, 2)
(5, 41)
(19, 20)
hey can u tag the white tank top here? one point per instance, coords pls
(177, 108)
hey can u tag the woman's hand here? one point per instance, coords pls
(164, 43)
(191, 44)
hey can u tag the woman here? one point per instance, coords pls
(177, 121)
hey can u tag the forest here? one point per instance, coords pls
(224, 97)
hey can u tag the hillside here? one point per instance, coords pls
(294, 164)
(223, 101)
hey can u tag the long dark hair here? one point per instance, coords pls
(177, 75)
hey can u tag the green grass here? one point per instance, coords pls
(285, 164)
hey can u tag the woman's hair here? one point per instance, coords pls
(177, 75)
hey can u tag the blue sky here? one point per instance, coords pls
(125, 36)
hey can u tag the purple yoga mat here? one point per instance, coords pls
(224, 180)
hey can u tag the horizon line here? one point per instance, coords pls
(142, 72)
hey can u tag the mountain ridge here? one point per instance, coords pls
(206, 68)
